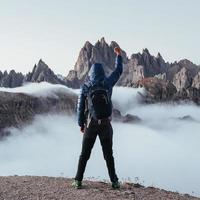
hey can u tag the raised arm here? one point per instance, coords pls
(115, 75)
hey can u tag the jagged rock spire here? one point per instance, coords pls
(99, 52)
(42, 72)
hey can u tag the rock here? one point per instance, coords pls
(188, 95)
(1, 75)
(157, 90)
(60, 76)
(44, 187)
(135, 68)
(83, 63)
(161, 76)
(101, 52)
(140, 66)
(196, 81)
(116, 115)
(17, 108)
(128, 118)
(182, 79)
(181, 95)
(41, 72)
(11, 79)
(194, 95)
(72, 79)
(131, 119)
(186, 118)
(152, 65)
(191, 67)
(132, 73)
(177, 66)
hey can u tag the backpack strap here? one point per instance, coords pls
(88, 84)
(87, 113)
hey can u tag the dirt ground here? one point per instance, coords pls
(36, 188)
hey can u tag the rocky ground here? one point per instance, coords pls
(35, 188)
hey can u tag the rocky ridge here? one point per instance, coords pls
(162, 80)
(137, 67)
(11, 79)
(41, 72)
(184, 75)
(16, 109)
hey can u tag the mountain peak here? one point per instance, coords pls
(159, 55)
(41, 66)
(114, 44)
(102, 40)
(41, 62)
(145, 50)
(101, 43)
(42, 72)
(185, 62)
(87, 45)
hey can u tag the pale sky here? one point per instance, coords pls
(55, 30)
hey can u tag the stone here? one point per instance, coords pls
(196, 81)
(175, 81)
(41, 72)
(128, 118)
(11, 79)
(16, 109)
(157, 90)
(182, 79)
(101, 52)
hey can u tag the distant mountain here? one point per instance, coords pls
(137, 67)
(162, 80)
(19, 107)
(41, 72)
(11, 79)
(100, 52)
(16, 109)
(183, 75)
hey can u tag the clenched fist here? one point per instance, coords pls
(117, 50)
(82, 129)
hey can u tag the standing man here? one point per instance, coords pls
(94, 112)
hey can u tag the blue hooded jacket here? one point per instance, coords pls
(96, 75)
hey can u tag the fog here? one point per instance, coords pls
(42, 89)
(162, 151)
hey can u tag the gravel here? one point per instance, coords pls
(58, 188)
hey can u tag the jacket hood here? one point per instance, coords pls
(96, 72)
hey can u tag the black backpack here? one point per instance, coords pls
(99, 101)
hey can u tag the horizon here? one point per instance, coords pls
(56, 31)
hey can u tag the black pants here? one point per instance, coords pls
(105, 133)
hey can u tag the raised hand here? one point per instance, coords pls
(117, 50)
(82, 129)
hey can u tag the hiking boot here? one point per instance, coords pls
(77, 184)
(115, 185)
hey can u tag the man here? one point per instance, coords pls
(94, 111)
